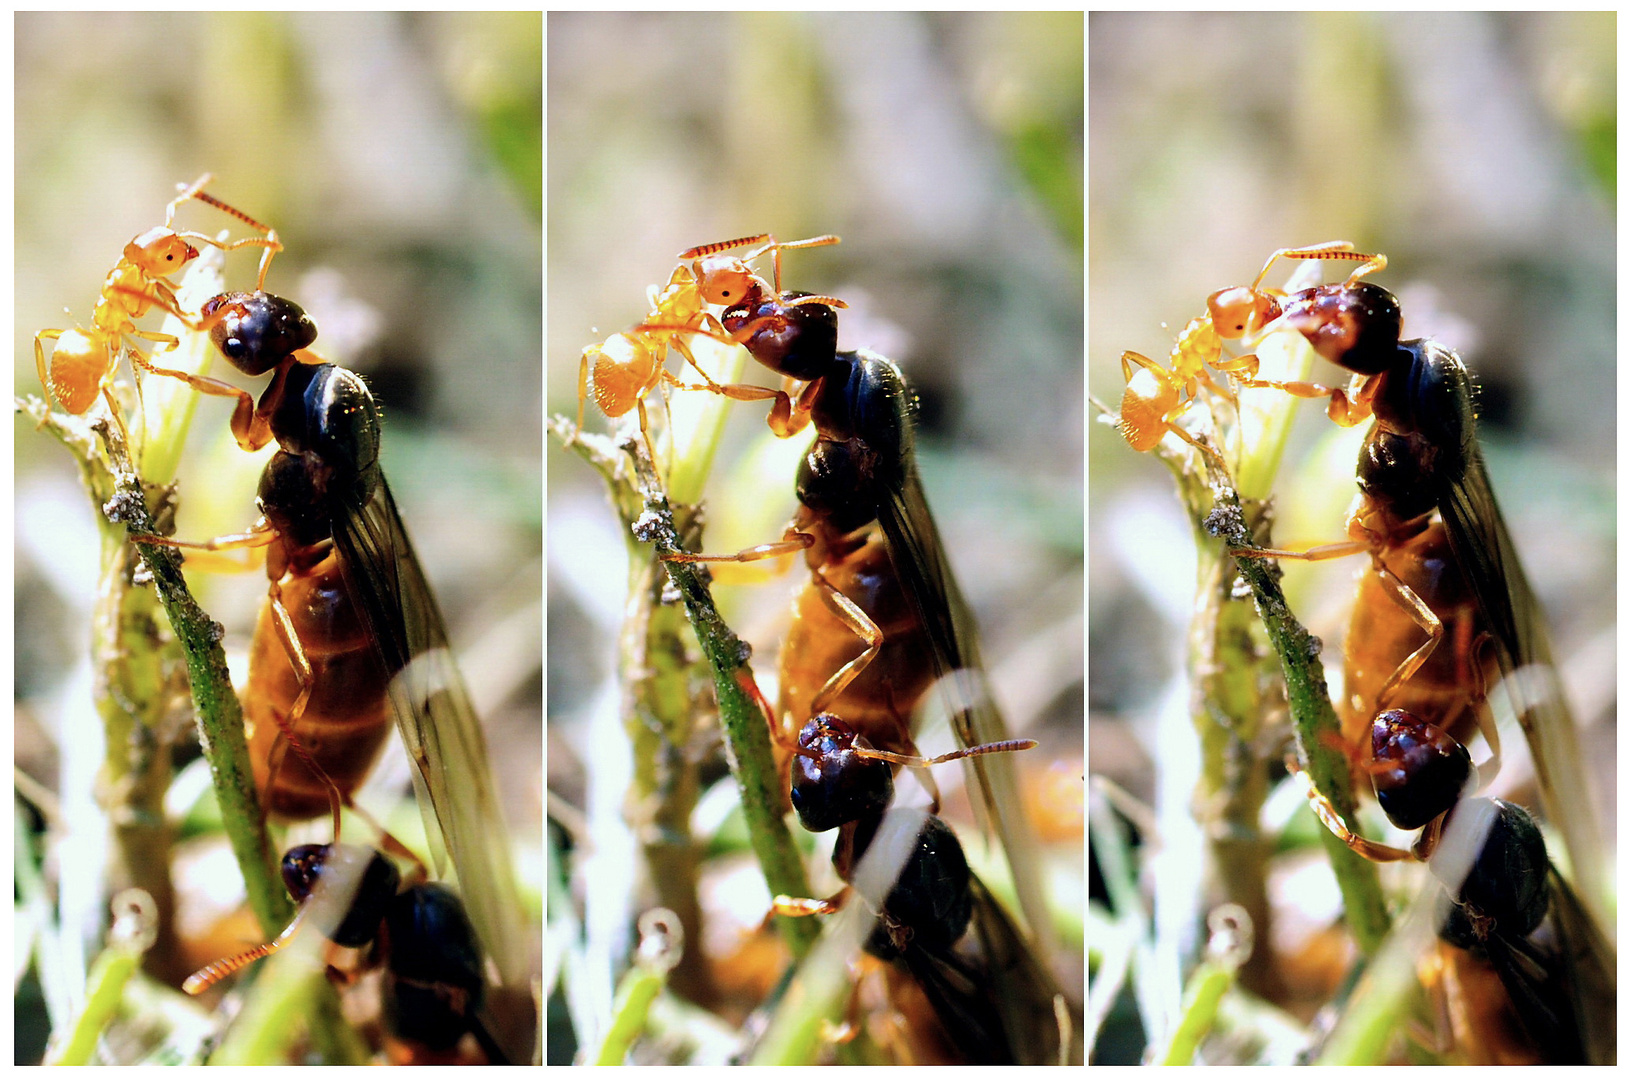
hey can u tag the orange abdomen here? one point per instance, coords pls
(348, 716)
(880, 701)
(1381, 634)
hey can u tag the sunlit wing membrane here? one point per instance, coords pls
(438, 725)
(920, 562)
(1482, 545)
(1589, 966)
(1024, 989)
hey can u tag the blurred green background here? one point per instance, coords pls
(399, 157)
(946, 151)
(1477, 151)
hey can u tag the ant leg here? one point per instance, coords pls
(244, 420)
(1243, 371)
(786, 418)
(1368, 264)
(207, 553)
(850, 613)
(250, 427)
(583, 388)
(251, 430)
(1332, 820)
(267, 240)
(116, 412)
(186, 193)
(1422, 616)
(735, 391)
(1129, 358)
(1205, 448)
(1440, 1038)
(798, 907)
(786, 423)
(1314, 554)
(645, 431)
(776, 248)
(45, 380)
(791, 543)
(1210, 383)
(390, 843)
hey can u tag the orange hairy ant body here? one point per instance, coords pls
(83, 362)
(620, 371)
(1157, 395)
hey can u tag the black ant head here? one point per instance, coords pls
(832, 784)
(1353, 326)
(796, 340)
(257, 331)
(365, 878)
(1427, 768)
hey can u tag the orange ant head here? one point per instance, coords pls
(159, 252)
(725, 280)
(1239, 311)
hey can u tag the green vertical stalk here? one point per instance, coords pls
(642, 503)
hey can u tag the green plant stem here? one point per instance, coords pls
(636, 991)
(1312, 716)
(220, 715)
(1202, 993)
(658, 677)
(112, 481)
(642, 505)
(104, 992)
(741, 714)
(1232, 690)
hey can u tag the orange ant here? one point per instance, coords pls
(84, 359)
(627, 366)
(1157, 395)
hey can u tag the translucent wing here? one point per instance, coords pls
(920, 562)
(438, 725)
(1588, 964)
(1522, 648)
